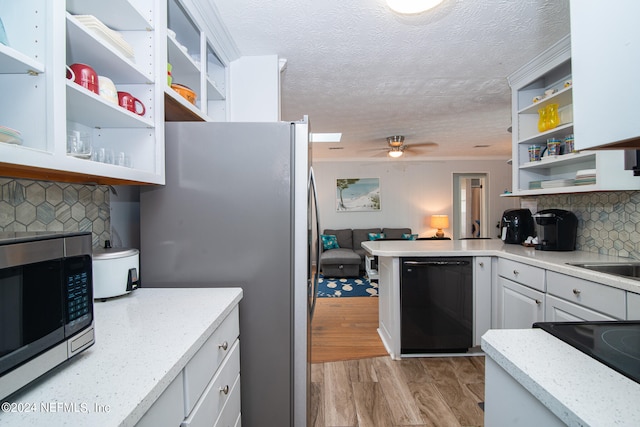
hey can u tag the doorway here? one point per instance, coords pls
(470, 210)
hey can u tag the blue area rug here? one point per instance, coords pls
(340, 287)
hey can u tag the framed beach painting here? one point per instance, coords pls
(358, 194)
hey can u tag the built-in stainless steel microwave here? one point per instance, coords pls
(46, 304)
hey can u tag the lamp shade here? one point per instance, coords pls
(439, 221)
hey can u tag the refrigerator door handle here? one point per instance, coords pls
(315, 277)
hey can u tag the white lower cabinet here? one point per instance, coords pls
(482, 276)
(389, 304)
(576, 299)
(206, 362)
(223, 390)
(508, 403)
(207, 391)
(168, 409)
(519, 306)
(633, 306)
(559, 310)
(533, 277)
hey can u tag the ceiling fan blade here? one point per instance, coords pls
(423, 144)
(375, 149)
(382, 153)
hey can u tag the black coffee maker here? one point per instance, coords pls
(516, 225)
(556, 230)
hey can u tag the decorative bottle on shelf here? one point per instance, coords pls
(552, 116)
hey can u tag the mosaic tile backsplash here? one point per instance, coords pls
(608, 222)
(51, 206)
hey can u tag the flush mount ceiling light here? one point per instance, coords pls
(410, 7)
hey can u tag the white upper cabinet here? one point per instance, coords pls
(46, 118)
(117, 39)
(605, 41)
(549, 79)
(127, 42)
(194, 63)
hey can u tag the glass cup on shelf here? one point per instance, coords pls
(534, 153)
(569, 146)
(79, 144)
(553, 146)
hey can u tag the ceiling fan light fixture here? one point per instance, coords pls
(395, 141)
(395, 152)
(410, 7)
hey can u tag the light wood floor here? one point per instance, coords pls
(355, 383)
(345, 329)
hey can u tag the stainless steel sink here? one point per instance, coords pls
(629, 269)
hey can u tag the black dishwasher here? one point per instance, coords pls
(436, 304)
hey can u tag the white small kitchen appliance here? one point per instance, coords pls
(115, 271)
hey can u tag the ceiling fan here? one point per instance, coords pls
(397, 147)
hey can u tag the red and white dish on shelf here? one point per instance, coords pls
(10, 136)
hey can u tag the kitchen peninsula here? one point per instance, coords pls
(540, 284)
(513, 287)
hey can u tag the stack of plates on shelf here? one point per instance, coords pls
(586, 177)
(10, 136)
(554, 183)
(113, 38)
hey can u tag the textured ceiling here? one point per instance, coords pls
(357, 68)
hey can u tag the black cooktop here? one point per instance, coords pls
(614, 343)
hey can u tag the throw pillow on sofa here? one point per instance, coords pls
(376, 236)
(329, 241)
(408, 236)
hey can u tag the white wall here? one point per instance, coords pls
(410, 192)
(255, 89)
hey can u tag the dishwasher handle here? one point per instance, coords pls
(434, 263)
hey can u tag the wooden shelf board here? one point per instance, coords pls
(175, 111)
(43, 174)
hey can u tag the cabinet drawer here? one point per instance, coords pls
(210, 405)
(522, 273)
(231, 411)
(607, 300)
(167, 410)
(204, 364)
(560, 310)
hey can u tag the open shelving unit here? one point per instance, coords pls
(551, 71)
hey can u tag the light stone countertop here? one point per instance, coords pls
(577, 388)
(550, 260)
(143, 341)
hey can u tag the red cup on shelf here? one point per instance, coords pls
(85, 76)
(131, 103)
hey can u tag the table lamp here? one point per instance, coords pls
(439, 222)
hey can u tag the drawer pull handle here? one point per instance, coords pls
(224, 345)
(481, 264)
(538, 302)
(516, 272)
(576, 291)
(224, 389)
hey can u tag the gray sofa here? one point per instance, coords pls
(348, 259)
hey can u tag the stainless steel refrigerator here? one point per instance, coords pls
(238, 209)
